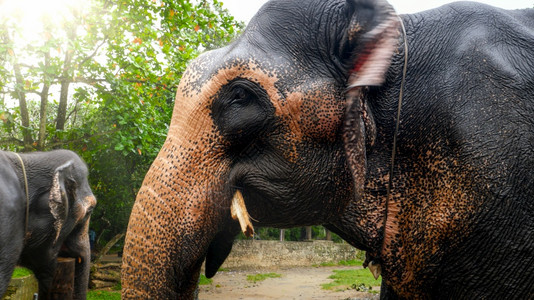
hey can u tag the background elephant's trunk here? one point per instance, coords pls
(178, 212)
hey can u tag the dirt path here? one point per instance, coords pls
(297, 283)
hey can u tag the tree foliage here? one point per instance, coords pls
(101, 81)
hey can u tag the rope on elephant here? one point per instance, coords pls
(27, 194)
(397, 125)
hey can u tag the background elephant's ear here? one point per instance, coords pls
(368, 44)
(58, 201)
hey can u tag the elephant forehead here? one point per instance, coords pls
(291, 90)
(202, 82)
(206, 74)
(309, 107)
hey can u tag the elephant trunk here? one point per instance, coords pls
(180, 216)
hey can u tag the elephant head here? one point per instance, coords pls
(285, 127)
(257, 130)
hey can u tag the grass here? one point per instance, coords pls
(207, 281)
(21, 272)
(103, 295)
(259, 277)
(352, 262)
(204, 280)
(114, 294)
(359, 279)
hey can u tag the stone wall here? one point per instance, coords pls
(254, 254)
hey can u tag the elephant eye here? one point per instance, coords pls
(241, 95)
(242, 110)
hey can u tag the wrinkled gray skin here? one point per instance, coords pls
(61, 202)
(269, 116)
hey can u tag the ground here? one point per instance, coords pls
(296, 283)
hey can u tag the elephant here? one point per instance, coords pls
(295, 124)
(45, 208)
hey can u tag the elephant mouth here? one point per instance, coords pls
(222, 243)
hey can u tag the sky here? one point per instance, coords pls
(243, 10)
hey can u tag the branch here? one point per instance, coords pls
(92, 81)
(11, 141)
(23, 91)
(88, 81)
(75, 109)
(28, 66)
(61, 143)
(164, 86)
(94, 52)
(108, 246)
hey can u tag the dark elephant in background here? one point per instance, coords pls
(60, 205)
(293, 124)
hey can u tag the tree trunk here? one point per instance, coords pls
(328, 234)
(282, 234)
(63, 100)
(308, 233)
(24, 115)
(66, 79)
(44, 104)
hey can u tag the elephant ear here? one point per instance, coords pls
(368, 46)
(58, 200)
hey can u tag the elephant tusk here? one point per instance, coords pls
(239, 212)
(376, 269)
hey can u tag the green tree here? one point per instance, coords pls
(102, 83)
(147, 54)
